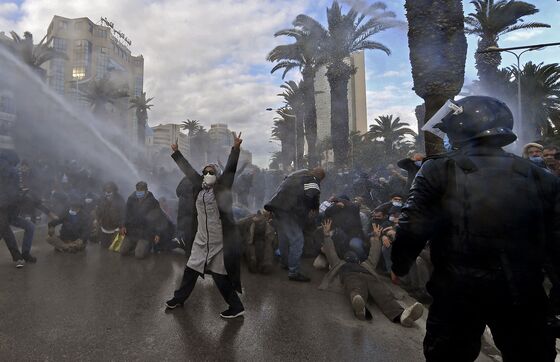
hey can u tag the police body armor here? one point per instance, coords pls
(490, 203)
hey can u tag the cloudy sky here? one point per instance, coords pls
(205, 59)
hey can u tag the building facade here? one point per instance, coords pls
(166, 134)
(7, 112)
(357, 106)
(95, 51)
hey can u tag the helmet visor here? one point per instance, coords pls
(434, 124)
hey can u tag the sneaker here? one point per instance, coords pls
(231, 313)
(411, 314)
(173, 303)
(20, 263)
(359, 306)
(299, 278)
(29, 258)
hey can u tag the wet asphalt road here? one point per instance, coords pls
(98, 306)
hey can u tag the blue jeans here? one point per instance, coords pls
(357, 245)
(290, 238)
(28, 232)
(387, 257)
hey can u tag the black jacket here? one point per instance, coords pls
(185, 210)
(410, 167)
(111, 212)
(298, 194)
(346, 218)
(9, 179)
(140, 216)
(222, 190)
(490, 216)
(73, 227)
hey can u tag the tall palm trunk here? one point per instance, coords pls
(310, 115)
(141, 130)
(487, 63)
(338, 75)
(300, 138)
(438, 50)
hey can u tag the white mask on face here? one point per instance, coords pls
(209, 179)
(397, 203)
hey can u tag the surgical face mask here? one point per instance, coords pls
(88, 201)
(397, 203)
(209, 179)
(393, 219)
(108, 195)
(140, 194)
(72, 212)
(536, 159)
(418, 163)
(446, 144)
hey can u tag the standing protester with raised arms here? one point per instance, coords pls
(492, 220)
(216, 249)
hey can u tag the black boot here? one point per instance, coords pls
(29, 258)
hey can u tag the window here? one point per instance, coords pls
(82, 59)
(138, 86)
(78, 25)
(60, 44)
(7, 104)
(56, 77)
(102, 63)
(99, 33)
(63, 25)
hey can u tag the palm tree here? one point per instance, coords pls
(142, 105)
(200, 144)
(391, 131)
(490, 20)
(541, 97)
(294, 100)
(438, 51)
(283, 131)
(275, 160)
(346, 34)
(191, 125)
(100, 92)
(32, 55)
(304, 55)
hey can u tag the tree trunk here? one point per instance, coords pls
(338, 75)
(310, 116)
(141, 131)
(438, 50)
(433, 143)
(300, 139)
(487, 65)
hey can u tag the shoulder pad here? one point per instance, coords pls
(439, 156)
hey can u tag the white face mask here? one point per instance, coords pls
(88, 201)
(393, 219)
(209, 179)
(397, 203)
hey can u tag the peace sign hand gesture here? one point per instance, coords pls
(237, 141)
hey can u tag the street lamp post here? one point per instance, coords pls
(525, 49)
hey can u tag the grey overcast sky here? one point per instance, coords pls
(206, 59)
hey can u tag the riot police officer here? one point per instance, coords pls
(492, 219)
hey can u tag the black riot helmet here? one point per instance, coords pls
(479, 118)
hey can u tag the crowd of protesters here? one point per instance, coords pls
(345, 222)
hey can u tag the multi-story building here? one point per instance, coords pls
(7, 119)
(7, 112)
(166, 134)
(357, 106)
(95, 51)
